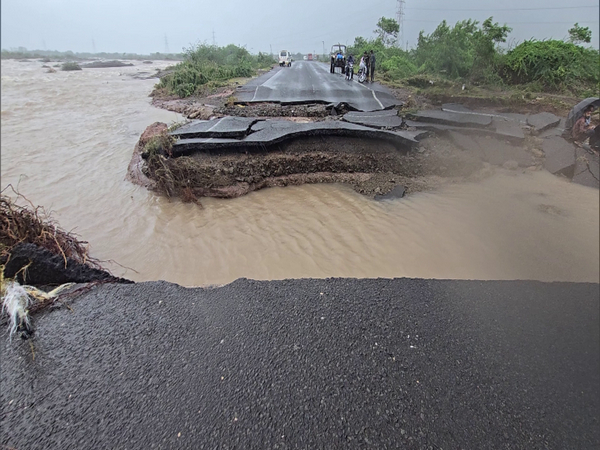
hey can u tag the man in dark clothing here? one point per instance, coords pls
(350, 68)
(372, 65)
(368, 64)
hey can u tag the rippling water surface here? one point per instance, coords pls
(67, 138)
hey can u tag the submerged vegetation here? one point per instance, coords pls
(210, 66)
(70, 66)
(469, 52)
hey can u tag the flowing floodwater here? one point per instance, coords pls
(67, 138)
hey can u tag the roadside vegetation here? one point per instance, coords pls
(469, 54)
(208, 66)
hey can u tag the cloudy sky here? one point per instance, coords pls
(306, 26)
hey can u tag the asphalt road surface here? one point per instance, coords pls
(311, 82)
(337, 363)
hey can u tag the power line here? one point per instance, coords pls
(503, 9)
(517, 23)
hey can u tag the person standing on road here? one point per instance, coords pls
(368, 64)
(350, 68)
(372, 65)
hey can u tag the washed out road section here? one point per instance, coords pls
(336, 363)
(311, 82)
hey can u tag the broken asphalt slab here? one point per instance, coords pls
(491, 150)
(225, 127)
(458, 119)
(335, 363)
(397, 192)
(512, 117)
(374, 119)
(543, 121)
(265, 133)
(508, 129)
(559, 156)
(498, 152)
(587, 171)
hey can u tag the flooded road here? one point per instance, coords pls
(67, 138)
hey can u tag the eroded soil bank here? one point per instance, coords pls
(371, 167)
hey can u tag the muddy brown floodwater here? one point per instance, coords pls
(67, 138)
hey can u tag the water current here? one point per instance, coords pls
(67, 138)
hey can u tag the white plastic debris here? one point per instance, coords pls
(15, 304)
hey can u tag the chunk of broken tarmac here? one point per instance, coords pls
(397, 192)
(467, 143)
(587, 170)
(271, 132)
(452, 118)
(559, 156)
(498, 152)
(376, 119)
(509, 129)
(226, 127)
(542, 121)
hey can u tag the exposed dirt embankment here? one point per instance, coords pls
(371, 167)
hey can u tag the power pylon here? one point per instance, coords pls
(400, 20)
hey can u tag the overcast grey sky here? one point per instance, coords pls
(147, 26)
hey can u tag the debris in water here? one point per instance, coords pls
(15, 303)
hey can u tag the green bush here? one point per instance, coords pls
(208, 65)
(70, 66)
(466, 50)
(398, 67)
(553, 64)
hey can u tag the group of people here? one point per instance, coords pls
(367, 64)
(583, 129)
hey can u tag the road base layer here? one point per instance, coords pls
(335, 363)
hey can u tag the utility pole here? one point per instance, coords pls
(271, 47)
(400, 20)
(214, 40)
(166, 45)
(324, 49)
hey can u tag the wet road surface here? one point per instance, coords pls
(336, 363)
(306, 82)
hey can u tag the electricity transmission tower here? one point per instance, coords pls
(166, 45)
(214, 40)
(400, 20)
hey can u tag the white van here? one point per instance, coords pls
(285, 58)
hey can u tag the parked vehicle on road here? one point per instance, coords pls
(285, 58)
(338, 57)
(362, 74)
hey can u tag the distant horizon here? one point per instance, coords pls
(267, 26)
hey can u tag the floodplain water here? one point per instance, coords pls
(67, 138)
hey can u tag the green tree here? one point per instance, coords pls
(579, 34)
(465, 50)
(387, 30)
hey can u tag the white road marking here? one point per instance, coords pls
(374, 96)
(218, 121)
